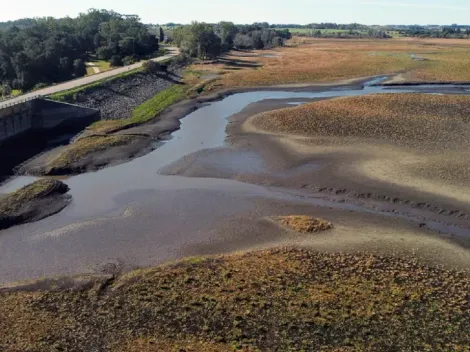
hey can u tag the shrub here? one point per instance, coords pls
(115, 61)
(128, 60)
(154, 67)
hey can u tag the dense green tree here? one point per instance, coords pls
(227, 32)
(79, 68)
(116, 61)
(198, 40)
(49, 50)
(162, 35)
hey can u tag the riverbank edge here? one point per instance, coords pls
(161, 127)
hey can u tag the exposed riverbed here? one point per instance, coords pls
(130, 215)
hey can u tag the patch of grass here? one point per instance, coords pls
(303, 223)
(428, 122)
(83, 147)
(277, 300)
(40, 189)
(100, 64)
(16, 92)
(144, 112)
(90, 71)
(103, 65)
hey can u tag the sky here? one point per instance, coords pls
(249, 11)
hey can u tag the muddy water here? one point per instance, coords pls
(130, 215)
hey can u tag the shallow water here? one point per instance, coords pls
(132, 213)
(202, 129)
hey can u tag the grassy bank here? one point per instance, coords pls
(82, 148)
(278, 300)
(144, 112)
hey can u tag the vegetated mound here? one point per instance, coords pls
(416, 120)
(87, 154)
(33, 202)
(277, 300)
(303, 223)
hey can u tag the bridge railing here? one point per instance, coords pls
(6, 103)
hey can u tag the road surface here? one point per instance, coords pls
(173, 51)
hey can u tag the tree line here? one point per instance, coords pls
(445, 32)
(36, 52)
(207, 41)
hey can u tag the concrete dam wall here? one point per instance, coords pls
(42, 115)
(33, 126)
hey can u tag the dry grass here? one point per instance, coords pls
(447, 66)
(428, 122)
(303, 223)
(84, 147)
(278, 300)
(309, 60)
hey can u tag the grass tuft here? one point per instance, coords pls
(303, 223)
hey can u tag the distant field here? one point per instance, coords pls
(297, 30)
(310, 60)
(309, 30)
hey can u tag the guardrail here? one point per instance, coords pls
(6, 104)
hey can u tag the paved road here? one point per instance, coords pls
(84, 80)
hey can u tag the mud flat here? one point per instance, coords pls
(128, 215)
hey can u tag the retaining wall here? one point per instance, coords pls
(42, 114)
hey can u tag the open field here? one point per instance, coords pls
(263, 301)
(310, 60)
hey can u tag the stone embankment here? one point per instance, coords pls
(118, 98)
